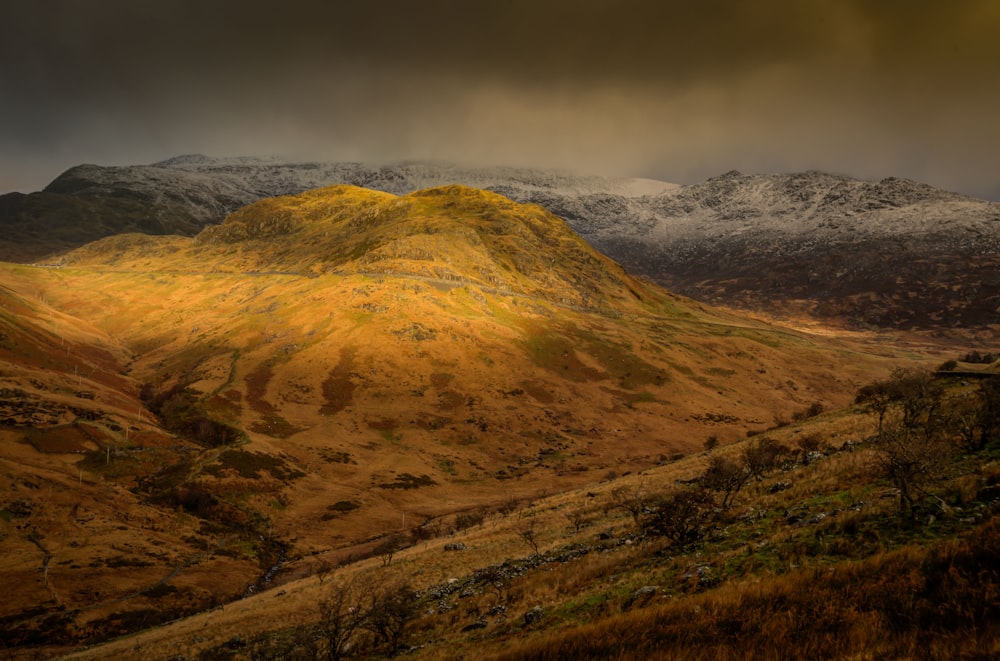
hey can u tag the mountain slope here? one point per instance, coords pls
(893, 253)
(183, 195)
(323, 370)
(888, 254)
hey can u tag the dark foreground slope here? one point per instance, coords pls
(808, 556)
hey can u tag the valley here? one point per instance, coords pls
(343, 381)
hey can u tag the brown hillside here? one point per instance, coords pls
(324, 369)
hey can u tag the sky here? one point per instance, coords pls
(678, 90)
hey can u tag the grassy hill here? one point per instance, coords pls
(811, 558)
(189, 421)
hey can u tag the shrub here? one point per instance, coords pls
(762, 456)
(726, 477)
(629, 499)
(388, 548)
(681, 516)
(464, 520)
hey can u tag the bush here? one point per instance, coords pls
(465, 520)
(726, 477)
(762, 456)
(681, 517)
(181, 412)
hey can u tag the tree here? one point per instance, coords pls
(529, 537)
(578, 519)
(323, 570)
(875, 397)
(989, 423)
(342, 616)
(497, 580)
(357, 614)
(913, 461)
(681, 516)
(391, 610)
(388, 547)
(964, 417)
(918, 395)
(915, 394)
(726, 477)
(762, 456)
(629, 499)
(911, 447)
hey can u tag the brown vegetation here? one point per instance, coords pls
(446, 373)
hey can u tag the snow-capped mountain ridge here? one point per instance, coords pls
(831, 242)
(818, 205)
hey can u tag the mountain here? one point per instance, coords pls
(183, 195)
(887, 254)
(893, 253)
(186, 417)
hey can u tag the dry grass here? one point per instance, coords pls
(856, 583)
(360, 340)
(940, 601)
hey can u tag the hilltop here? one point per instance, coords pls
(319, 372)
(863, 254)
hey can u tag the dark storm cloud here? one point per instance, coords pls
(677, 90)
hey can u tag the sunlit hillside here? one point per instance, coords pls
(189, 420)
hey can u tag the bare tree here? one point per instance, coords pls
(496, 580)
(577, 519)
(388, 548)
(391, 610)
(915, 428)
(914, 394)
(875, 397)
(681, 516)
(343, 614)
(989, 422)
(963, 415)
(323, 571)
(357, 615)
(630, 499)
(529, 537)
(726, 477)
(762, 456)
(914, 461)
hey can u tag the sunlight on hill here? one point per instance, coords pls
(292, 386)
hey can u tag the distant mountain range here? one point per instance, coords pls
(893, 253)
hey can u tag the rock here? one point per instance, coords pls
(455, 546)
(533, 615)
(812, 457)
(700, 577)
(641, 597)
(478, 624)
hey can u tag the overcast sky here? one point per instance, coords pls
(678, 90)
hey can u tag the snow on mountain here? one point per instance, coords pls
(840, 247)
(212, 187)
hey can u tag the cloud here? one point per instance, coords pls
(678, 90)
